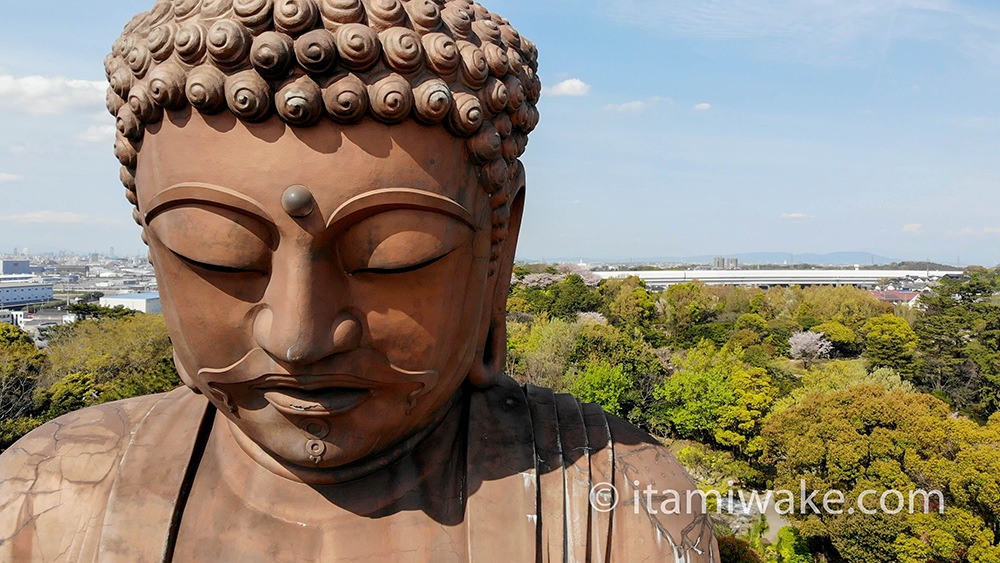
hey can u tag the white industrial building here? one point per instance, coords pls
(18, 294)
(142, 302)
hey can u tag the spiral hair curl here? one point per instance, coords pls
(448, 62)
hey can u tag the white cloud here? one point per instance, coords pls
(41, 95)
(797, 216)
(57, 217)
(98, 134)
(568, 87)
(913, 228)
(4, 177)
(991, 230)
(702, 107)
(637, 106)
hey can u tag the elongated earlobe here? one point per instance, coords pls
(490, 361)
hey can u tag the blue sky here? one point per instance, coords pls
(668, 128)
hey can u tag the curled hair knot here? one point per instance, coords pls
(295, 16)
(139, 60)
(141, 103)
(316, 51)
(189, 42)
(494, 175)
(474, 68)
(466, 115)
(442, 53)
(358, 45)
(206, 89)
(515, 94)
(125, 152)
(495, 95)
(272, 54)
(497, 59)
(214, 8)
(160, 41)
(127, 176)
(166, 85)
(484, 146)
(346, 98)
(254, 14)
(128, 124)
(391, 99)
(432, 100)
(185, 8)
(458, 21)
(113, 102)
(121, 81)
(248, 95)
(385, 14)
(336, 13)
(403, 49)
(228, 43)
(487, 31)
(425, 15)
(510, 36)
(299, 101)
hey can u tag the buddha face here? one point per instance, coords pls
(327, 288)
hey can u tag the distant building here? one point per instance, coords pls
(15, 267)
(732, 263)
(719, 263)
(142, 302)
(19, 294)
(897, 297)
(7, 317)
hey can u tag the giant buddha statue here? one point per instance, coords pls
(331, 195)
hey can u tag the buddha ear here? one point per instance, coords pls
(488, 366)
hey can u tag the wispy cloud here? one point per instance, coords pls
(568, 87)
(637, 106)
(98, 134)
(4, 177)
(58, 217)
(41, 95)
(702, 107)
(913, 228)
(830, 31)
(797, 216)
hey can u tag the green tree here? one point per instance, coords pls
(891, 343)
(867, 438)
(122, 357)
(689, 306)
(572, 296)
(846, 343)
(716, 398)
(601, 383)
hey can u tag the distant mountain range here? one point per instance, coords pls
(833, 259)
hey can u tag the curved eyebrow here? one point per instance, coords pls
(198, 192)
(387, 199)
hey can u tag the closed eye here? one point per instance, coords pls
(215, 268)
(402, 270)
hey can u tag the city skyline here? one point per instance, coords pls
(679, 129)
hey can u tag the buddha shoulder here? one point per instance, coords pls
(55, 482)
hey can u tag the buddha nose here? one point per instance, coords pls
(305, 339)
(304, 320)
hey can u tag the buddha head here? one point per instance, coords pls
(331, 193)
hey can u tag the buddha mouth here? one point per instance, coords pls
(314, 396)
